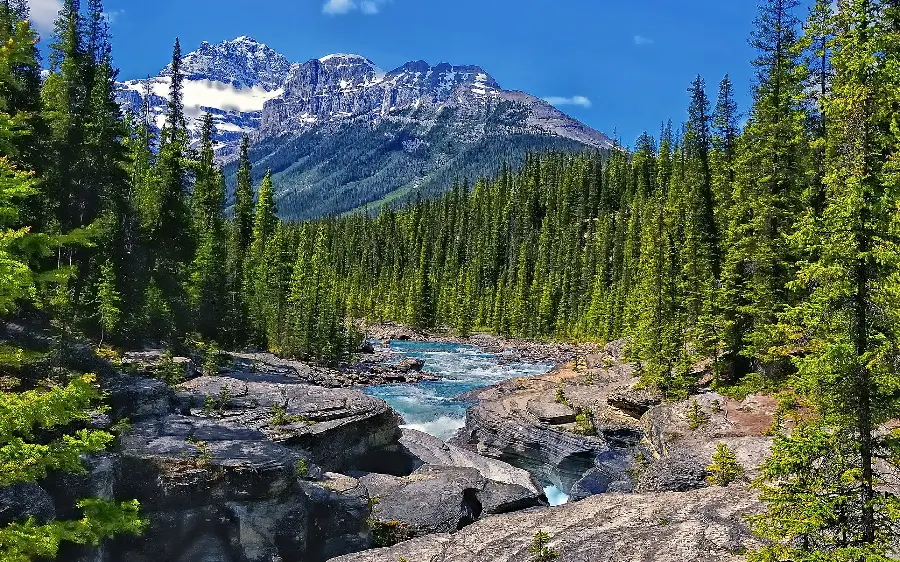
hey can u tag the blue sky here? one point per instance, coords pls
(619, 66)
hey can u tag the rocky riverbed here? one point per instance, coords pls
(273, 460)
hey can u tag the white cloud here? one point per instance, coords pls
(574, 100)
(113, 16)
(369, 7)
(43, 13)
(641, 40)
(339, 7)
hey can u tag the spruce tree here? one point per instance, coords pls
(828, 473)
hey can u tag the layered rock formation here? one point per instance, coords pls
(700, 526)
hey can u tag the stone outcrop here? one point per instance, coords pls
(700, 526)
(257, 465)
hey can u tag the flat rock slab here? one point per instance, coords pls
(440, 499)
(699, 526)
(431, 450)
(334, 427)
(552, 413)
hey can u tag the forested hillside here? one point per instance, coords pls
(768, 250)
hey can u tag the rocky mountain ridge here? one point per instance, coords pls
(339, 133)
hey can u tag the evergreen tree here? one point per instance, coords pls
(847, 360)
(256, 268)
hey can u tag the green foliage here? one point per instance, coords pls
(696, 417)
(540, 548)
(724, 468)
(388, 533)
(30, 540)
(302, 468)
(279, 417)
(584, 423)
(217, 405)
(561, 396)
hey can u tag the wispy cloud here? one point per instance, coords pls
(43, 13)
(340, 7)
(641, 40)
(113, 16)
(581, 101)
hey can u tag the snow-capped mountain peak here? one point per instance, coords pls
(242, 63)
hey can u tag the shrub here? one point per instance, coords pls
(696, 417)
(724, 468)
(388, 533)
(584, 423)
(561, 396)
(540, 548)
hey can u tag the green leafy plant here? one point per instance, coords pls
(540, 548)
(724, 468)
(584, 423)
(169, 371)
(696, 417)
(561, 396)
(302, 467)
(388, 533)
(278, 417)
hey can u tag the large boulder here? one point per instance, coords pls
(438, 499)
(679, 471)
(700, 526)
(336, 428)
(427, 449)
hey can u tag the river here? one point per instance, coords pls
(432, 406)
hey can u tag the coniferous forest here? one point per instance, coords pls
(762, 240)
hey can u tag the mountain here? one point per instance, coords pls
(338, 133)
(231, 80)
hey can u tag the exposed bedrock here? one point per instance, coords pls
(258, 466)
(705, 525)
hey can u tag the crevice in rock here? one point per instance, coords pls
(471, 508)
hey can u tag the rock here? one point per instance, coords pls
(438, 499)
(679, 471)
(151, 362)
(430, 450)
(367, 348)
(411, 364)
(137, 398)
(553, 456)
(21, 501)
(634, 402)
(700, 526)
(336, 428)
(611, 474)
(552, 413)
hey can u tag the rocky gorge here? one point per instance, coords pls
(273, 460)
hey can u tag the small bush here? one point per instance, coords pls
(561, 396)
(216, 406)
(696, 417)
(169, 371)
(724, 468)
(302, 468)
(388, 533)
(280, 418)
(540, 548)
(584, 423)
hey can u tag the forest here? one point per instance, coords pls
(761, 246)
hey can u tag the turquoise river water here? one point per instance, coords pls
(432, 406)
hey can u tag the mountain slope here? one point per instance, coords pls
(338, 133)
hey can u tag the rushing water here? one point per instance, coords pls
(432, 406)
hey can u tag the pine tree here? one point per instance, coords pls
(826, 472)
(767, 196)
(37, 434)
(171, 235)
(255, 268)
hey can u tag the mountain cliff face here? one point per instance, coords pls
(338, 133)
